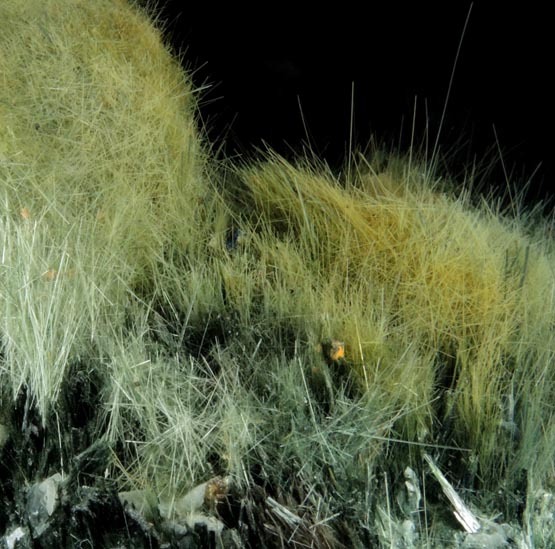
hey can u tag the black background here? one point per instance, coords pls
(265, 64)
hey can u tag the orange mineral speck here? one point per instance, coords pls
(337, 350)
(216, 490)
(51, 274)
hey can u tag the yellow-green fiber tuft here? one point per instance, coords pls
(101, 172)
(434, 298)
